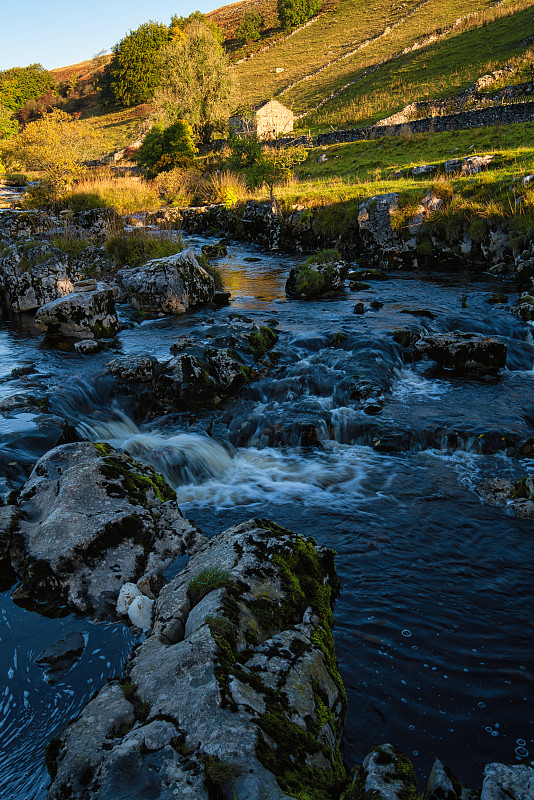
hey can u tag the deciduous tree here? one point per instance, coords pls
(133, 73)
(196, 84)
(57, 145)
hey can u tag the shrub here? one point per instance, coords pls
(180, 186)
(58, 145)
(293, 13)
(164, 149)
(135, 249)
(250, 28)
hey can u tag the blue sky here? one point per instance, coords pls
(58, 33)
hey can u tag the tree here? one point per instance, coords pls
(22, 84)
(250, 28)
(293, 13)
(8, 124)
(164, 149)
(57, 145)
(196, 85)
(264, 165)
(134, 70)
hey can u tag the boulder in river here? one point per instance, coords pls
(463, 351)
(80, 315)
(91, 519)
(236, 693)
(317, 276)
(170, 285)
(518, 496)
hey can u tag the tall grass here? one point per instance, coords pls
(102, 189)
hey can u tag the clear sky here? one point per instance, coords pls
(57, 33)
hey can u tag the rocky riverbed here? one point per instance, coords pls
(193, 455)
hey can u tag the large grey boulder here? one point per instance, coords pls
(518, 497)
(170, 285)
(503, 782)
(32, 273)
(200, 371)
(91, 519)
(80, 315)
(235, 692)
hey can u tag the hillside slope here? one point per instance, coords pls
(358, 63)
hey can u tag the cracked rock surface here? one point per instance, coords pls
(237, 683)
(90, 519)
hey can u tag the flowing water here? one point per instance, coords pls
(434, 620)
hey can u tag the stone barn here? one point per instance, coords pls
(268, 121)
(272, 119)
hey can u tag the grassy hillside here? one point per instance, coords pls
(331, 58)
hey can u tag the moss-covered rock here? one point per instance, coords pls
(90, 519)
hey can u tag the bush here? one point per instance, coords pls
(164, 149)
(180, 186)
(293, 13)
(135, 249)
(57, 145)
(250, 28)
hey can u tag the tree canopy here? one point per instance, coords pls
(134, 70)
(18, 85)
(196, 84)
(293, 13)
(56, 144)
(250, 27)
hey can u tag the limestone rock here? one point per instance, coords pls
(170, 285)
(387, 774)
(463, 351)
(33, 273)
(471, 165)
(60, 656)
(502, 782)
(127, 595)
(92, 519)
(496, 491)
(442, 784)
(87, 346)
(80, 315)
(313, 280)
(140, 612)
(256, 603)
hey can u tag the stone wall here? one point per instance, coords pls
(480, 118)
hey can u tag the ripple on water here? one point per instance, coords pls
(34, 710)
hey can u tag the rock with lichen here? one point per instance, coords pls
(170, 285)
(91, 518)
(239, 676)
(80, 315)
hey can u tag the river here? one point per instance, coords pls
(434, 621)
